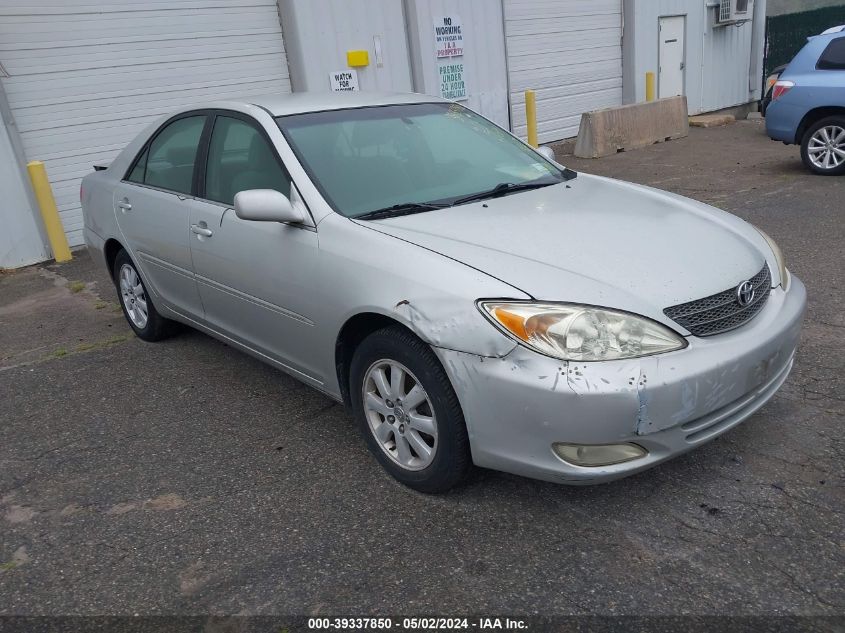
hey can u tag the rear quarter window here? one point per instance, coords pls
(833, 57)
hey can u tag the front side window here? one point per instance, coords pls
(367, 159)
(241, 158)
(833, 57)
(168, 162)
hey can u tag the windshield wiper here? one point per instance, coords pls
(503, 188)
(406, 208)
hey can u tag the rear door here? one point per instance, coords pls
(256, 279)
(152, 208)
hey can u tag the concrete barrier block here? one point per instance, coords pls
(623, 128)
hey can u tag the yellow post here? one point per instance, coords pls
(649, 87)
(531, 116)
(49, 211)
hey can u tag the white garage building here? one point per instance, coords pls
(79, 78)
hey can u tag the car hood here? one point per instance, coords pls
(594, 240)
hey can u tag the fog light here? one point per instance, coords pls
(591, 456)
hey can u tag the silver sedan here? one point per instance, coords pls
(468, 298)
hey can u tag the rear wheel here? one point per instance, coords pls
(136, 302)
(408, 411)
(823, 147)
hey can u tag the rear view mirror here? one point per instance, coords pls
(266, 205)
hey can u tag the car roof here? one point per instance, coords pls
(300, 102)
(826, 36)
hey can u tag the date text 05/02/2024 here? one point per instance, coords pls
(418, 623)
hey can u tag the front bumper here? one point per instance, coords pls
(517, 406)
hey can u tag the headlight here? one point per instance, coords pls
(782, 271)
(581, 333)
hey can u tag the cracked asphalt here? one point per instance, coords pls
(187, 478)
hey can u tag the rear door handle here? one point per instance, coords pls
(199, 230)
(124, 204)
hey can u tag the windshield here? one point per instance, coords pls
(373, 158)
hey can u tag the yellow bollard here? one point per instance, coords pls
(649, 87)
(531, 116)
(49, 211)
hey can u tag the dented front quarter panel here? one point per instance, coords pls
(365, 271)
(517, 406)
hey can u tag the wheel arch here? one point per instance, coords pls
(110, 250)
(353, 332)
(814, 116)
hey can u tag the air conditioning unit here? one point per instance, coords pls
(734, 11)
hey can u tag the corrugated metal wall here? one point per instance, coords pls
(85, 78)
(570, 53)
(318, 34)
(484, 52)
(718, 58)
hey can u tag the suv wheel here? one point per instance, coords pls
(408, 412)
(823, 147)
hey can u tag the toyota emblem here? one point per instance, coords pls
(745, 293)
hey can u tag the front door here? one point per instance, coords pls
(255, 278)
(152, 207)
(672, 56)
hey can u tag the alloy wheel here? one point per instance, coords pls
(826, 149)
(400, 414)
(133, 296)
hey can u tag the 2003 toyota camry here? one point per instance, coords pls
(471, 300)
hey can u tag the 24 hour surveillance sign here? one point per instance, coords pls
(448, 36)
(449, 44)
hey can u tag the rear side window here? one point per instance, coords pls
(140, 169)
(169, 160)
(241, 158)
(833, 57)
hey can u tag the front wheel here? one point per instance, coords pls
(408, 411)
(823, 147)
(136, 302)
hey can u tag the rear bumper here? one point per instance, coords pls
(782, 121)
(516, 407)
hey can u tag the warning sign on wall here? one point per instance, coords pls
(452, 83)
(344, 80)
(448, 36)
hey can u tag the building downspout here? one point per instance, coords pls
(758, 49)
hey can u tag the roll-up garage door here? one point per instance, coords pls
(83, 78)
(570, 53)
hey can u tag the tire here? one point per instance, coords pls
(814, 138)
(439, 411)
(152, 328)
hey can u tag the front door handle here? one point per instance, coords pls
(124, 204)
(201, 230)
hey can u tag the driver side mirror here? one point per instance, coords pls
(266, 205)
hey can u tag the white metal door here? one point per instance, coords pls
(672, 59)
(86, 76)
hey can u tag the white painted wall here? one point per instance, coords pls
(722, 61)
(318, 33)
(20, 240)
(570, 53)
(85, 77)
(485, 70)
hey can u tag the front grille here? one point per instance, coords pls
(721, 312)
